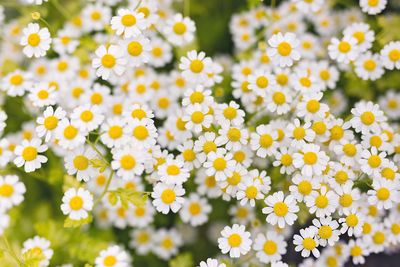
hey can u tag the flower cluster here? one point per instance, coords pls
(150, 141)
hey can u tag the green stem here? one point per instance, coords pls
(273, 3)
(105, 189)
(93, 145)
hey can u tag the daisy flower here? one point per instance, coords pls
(87, 118)
(68, 135)
(235, 240)
(358, 250)
(220, 164)
(345, 50)
(283, 49)
(77, 162)
(322, 202)
(373, 7)
(137, 50)
(109, 60)
(113, 132)
(128, 161)
(307, 242)
(390, 55)
(168, 197)
(77, 203)
(261, 82)
(27, 155)
(197, 117)
(384, 194)
(36, 40)
(269, 247)
(47, 124)
(234, 138)
(371, 161)
(249, 190)
(368, 67)
(195, 66)
(263, 141)
(41, 246)
(311, 160)
(113, 256)
(167, 243)
(173, 172)
(352, 222)
(11, 192)
(327, 231)
(195, 210)
(128, 23)
(43, 95)
(302, 186)
(141, 132)
(280, 210)
(211, 263)
(17, 82)
(179, 30)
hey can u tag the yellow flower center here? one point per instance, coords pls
(168, 196)
(286, 160)
(262, 82)
(360, 36)
(209, 146)
(76, 203)
(81, 162)
(70, 132)
(219, 164)
(135, 48)
(43, 94)
(6, 190)
(279, 98)
(374, 161)
(234, 134)
(383, 194)
(127, 162)
(251, 192)
(29, 153)
(196, 66)
(50, 123)
(266, 140)
(16, 79)
(197, 117)
(352, 220)
(313, 106)
(299, 133)
(324, 75)
(108, 61)
(281, 209)
(179, 28)
(194, 208)
(173, 170)
(230, 113)
(325, 231)
(394, 55)
(140, 132)
(310, 158)
(270, 247)
(346, 200)
(115, 131)
(319, 127)
(110, 261)
(379, 237)
(367, 118)
(96, 15)
(321, 201)
(305, 187)
(157, 51)
(350, 150)
(356, 251)
(388, 173)
(337, 132)
(128, 20)
(196, 97)
(33, 39)
(344, 47)
(284, 49)
(234, 240)
(86, 116)
(369, 65)
(282, 79)
(189, 155)
(305, 81)
(341, 177)
(309, 243)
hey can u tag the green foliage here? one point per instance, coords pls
(32, 258)
(182, 260)
(69, 223)
(129, 196)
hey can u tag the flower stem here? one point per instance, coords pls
(105, 189)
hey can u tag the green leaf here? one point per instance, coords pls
(33, 257)
(182, 260)
(131, 196)
(113, 198)
(69, 223)
(99, 164)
